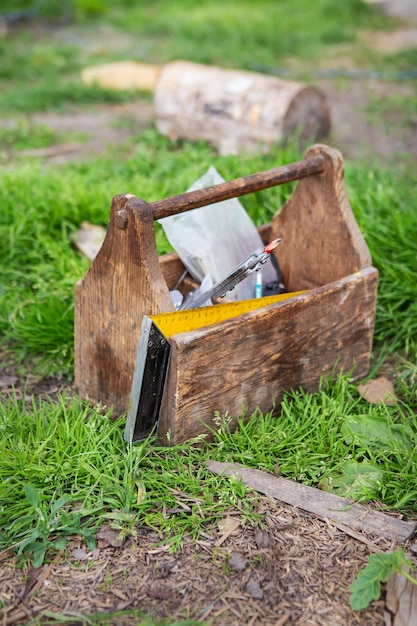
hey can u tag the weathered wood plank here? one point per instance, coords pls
(123, 283)
(247, 362)
(323, 504)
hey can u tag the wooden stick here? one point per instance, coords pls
(238, 187)
(323, 504)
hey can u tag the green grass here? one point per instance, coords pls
(385, 206)
(65, 467)
(245, 33)
(44, 74)
(335, 440)
(396, 109)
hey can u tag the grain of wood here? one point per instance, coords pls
(123, 283)
(247, 362)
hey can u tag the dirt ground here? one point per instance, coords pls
(294, 571)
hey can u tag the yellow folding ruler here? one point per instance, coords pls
(153, 354)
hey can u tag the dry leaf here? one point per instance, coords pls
(79, 554)
(378, 390)
(254, 589)
(262, 539)
(89, 239)
(160, 591)
(32, 579)
(8, 381)
(110, 536)
(140, 486)
(228, 525)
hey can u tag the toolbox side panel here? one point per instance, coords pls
(247, 362)
(123, 283)
(321, 241)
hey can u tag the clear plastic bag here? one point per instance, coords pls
(213, 239)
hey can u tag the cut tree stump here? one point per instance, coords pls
(323, 504)
(236, 110)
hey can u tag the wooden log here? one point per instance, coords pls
(236, 110)
(323, 504)
(123, 75)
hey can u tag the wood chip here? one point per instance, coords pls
(254, 590)
(237, 562)
(304, 576)
(227, 526)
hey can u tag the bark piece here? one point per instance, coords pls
(325, 505)
(402, 600)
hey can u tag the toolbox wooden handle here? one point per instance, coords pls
(238, 187)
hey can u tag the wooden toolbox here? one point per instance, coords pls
(245, 362)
